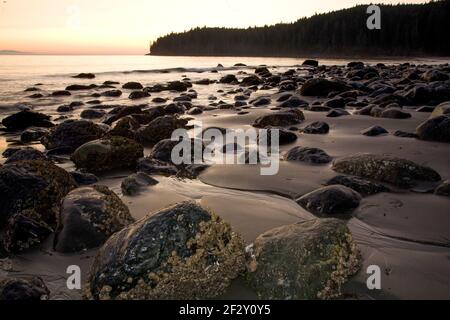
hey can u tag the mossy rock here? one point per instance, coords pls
(386, 168)
(307, 260)
(182, 252)
(108, 154)
(88, 217)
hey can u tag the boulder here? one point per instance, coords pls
(318, 127)
(85, 76)
(92, 114)
(435, 75)
(133, 86)
(26, 154)
(32, 134)
(88, 217)
(443, 189)
(125, 127)
(72, 134)
(280, 119)
(336, 113)
(403, 134)
(112, 93)
(307, 260)
(293, 102)
(374, 131)
(441, 110)
(25, 119)
(159, 129)
(135, 183)
(61, 93)
(108, 154)
(362, 186)
(177, 86)
(14, 289)
(385, 168)
(395, 113)
(182, 252)
(229, 78)
(308, 155)
(435, 129)
(331, 200)
(310, 63)
(84, 178)
(322, 87)
(261, 101)
(138, 95)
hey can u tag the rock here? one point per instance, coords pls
(33, 134)
(122, 112)
(336, 113)
(61, 93)
(92, 114)
(26, 154)
(78, 87)
(125, 127)
(72, 134)
(331, 200)
(88, 217)
(435, 129)
(322, 87)
(174, 108)
(425, 109)
(25, 119)
(261, 101)
(10, 151)
(365, 111)
(362, 186)
(138, 95)
(252, 80)
(195, 111)
(36, 96)
(374, 131)
(311, 63)
(133, 86)
(177, 86)
(394, 113)
(385, 168)
(284, 97)
(83, 178)
(31, 195)
(182, 252)
(318, 127)
(307, 260)
(156, 167)
(13, 289)
(443, 189)
(285, 136)
(112, 93)
(280, 119)
(403, 134)
(293, 102)
(85, 76)
(441, 110)
(229, 78)
(135, 183)
(159, 100)
(355, 65)
(159, 129)
(204, 82)
(435, 75)
(108, 154)
(309, 155)
(335, 103)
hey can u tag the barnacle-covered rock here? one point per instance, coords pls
(307, 260)
(182, 252)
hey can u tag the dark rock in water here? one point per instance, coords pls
(374, 131)
(26, 154)
(195, 111)
(318, 127)
(284, 97)
(78, 87)
(182, 252)
(425, 109)
(443, 189)
(309, 155)
(229, 78)
(85, 76)
(308, 260)
(360, 185)
(394, 113)
(174, 108)
(177, 86)
(13, 289)
(403, 134)
(138, 95)
(331, 200)
(252, 80)
(88, 217)
(441, 110)
(32, 89)
(110, 83)
(156, 167)
(92, 114)
(435, 75)
(10, 151)
(293, 102)
(435, 129)
(284, 136)
(131, 110)
(84, 179)
(159, 129)
(317, 108)
(61, 93)
(36, 96)
(310, 63)
(135, 183)
(25, 119)
(33, 134)
(355, 65)
(322, 87)
(204, 82)
(159, 100)
(64, 108)
(335, 103)
(108, 154)
(72, 134)
(125, 127)
(182, 98)
(261, 101)
(112, 93)
(163, 150)
(336, 113)
(34, 189)
(366, 111)
(280, 119)
(385, 168)
(133, 86)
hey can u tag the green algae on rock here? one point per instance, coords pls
(307, 260)
(88, 217)
(108, 154)
(385, 168)
(182, 252)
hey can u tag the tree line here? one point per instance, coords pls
(406, 29)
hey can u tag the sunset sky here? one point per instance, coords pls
(127, 26)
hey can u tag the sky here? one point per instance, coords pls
(127, 26)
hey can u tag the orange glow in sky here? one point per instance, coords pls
(127, 26)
